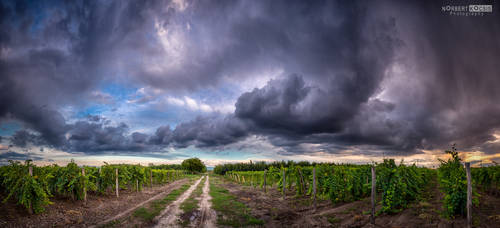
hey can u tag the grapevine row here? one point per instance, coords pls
(32, 186)
(398, 184)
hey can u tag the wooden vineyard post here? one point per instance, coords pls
(302, 183)
(151, 178)
(116, 182)
(84, 187)
(137, 184)
(469, 195)
(30, 171)
(265, 172)
(99, 179)
(314, 187)
(372, 217)
(284, 184)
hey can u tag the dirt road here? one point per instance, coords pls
(208, 215)
(169, 216)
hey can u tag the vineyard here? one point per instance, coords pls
(397, 186)
(277, 194)
(33, 186)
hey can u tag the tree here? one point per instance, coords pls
(194, 165)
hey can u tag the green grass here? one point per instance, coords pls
(333, 220)
(230, 212)
(191, 203)
(110, 224)
(148, 214)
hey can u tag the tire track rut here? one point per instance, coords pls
(169, 216)
(208, 215)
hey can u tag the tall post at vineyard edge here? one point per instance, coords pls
(116, 182)
(84, 187)
(284, 183)
(469, 195)
(372, 217)
(314, 187)
(30, 171)
(265, 172)
(99, 179)
(151, 178)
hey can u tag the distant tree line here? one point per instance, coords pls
(260, 166)
(165, 166)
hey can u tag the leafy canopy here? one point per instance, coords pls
(194, 165)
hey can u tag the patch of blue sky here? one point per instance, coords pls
(92, 110)
(119, 91)
(8, 128)
(120, 94)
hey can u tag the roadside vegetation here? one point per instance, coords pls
(230, 212)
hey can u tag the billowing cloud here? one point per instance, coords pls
(353, 77)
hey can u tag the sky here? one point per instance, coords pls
(230, 81)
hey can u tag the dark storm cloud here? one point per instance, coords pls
(92, 137)
(210, 131)
(337, 57)
(342, 49)
(162, 136)
(454, 97)
(456, 64)
(10, 155)
(22, 137)
(54, 54)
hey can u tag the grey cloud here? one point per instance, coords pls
(22, 137)
(338, 91)
(97, 137)
(162, 136)
(210, 131)
(10, 155)
(453, 100)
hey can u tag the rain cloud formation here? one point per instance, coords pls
(369, 77)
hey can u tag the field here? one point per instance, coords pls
(280, 194)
